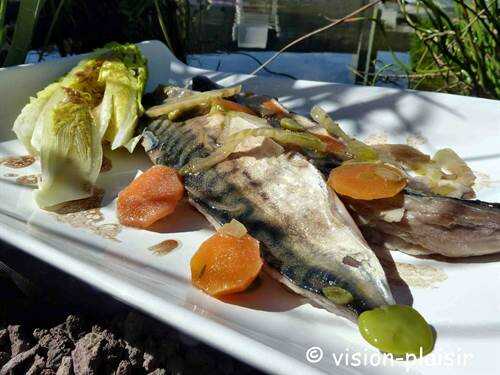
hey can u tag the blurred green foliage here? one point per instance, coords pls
(3, 8)
(457, 53)
(27, 16)
(76, 26)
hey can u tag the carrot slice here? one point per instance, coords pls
(150, 197)
(232, 106)
(225, 264)
(276, 108)
(367, 180)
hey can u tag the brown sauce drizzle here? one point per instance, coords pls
(17, 162)
(94, 201)
(164, 247)
(29, 180)
(86, 214)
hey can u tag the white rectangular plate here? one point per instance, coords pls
(269, 327)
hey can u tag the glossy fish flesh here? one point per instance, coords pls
(308, 240)
(420, 224)
(417, 222)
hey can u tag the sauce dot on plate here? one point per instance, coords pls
(164, 247)
(17, 162)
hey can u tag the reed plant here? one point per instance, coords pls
(3, 9)
(458, 52)
(27, 17)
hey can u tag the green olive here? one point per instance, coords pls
(396, 329)
(337, 295)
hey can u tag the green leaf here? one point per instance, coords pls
(82, 81)
(29, 10)
(3, 8)
(124, 76)
(66, 123)
(71, 155)
(24, 126)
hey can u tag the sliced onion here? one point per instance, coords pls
(407, 156)
(174, 93)
(359, 150)
(452, 164)
(284, 137)
(234, 229)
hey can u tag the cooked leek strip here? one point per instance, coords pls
(290, 124)
(359, 150)
(284, 137)
(188, 102)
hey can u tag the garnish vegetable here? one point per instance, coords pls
(66, 123)
(367, 180)
(227, 105)
(397, 329)
(358, 150)
(188, 102)
(285, 137)
(150, 197)
(226, 264)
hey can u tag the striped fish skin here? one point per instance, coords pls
(308, 240)
(430, 224)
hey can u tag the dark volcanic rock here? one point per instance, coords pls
(4, 358)
(38, 333)
(55, 338)
(124, 368)
(75, 327)
(20, 360)
(149, 362)
(59, 348)
(37, 366)
(77, 348)
(113, 351)
(158, 372)
(72, 329)
(4, 340)
(87, 354)
(134, 354)
(57, 345)
(66, 367)
(19, 341)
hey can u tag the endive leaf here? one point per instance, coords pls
(65, 125)
(71, 155)
(24, 125)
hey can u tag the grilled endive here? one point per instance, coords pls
(67, 122)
